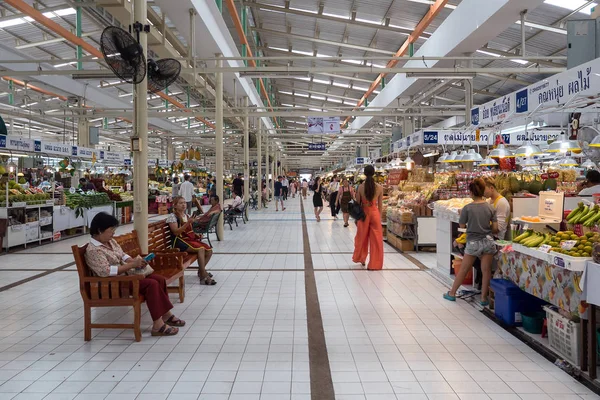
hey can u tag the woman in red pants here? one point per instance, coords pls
(369, 235)
(106, 258)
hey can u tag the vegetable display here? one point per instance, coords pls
(81, 201)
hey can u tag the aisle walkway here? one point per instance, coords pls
(373, 335)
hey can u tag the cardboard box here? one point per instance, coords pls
(406, 245)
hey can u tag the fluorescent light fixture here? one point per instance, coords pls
(274, 75)
(562, 145)
(451, 158)
(52, 14)
(572, 5)
(429, 75)
(543, 27)
(528, 149)
(472, 156)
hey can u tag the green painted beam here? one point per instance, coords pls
(78, 33)
(11, 98)
(220, 5)
(411, 49)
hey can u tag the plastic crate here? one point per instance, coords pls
(510, 301)
(563, 335)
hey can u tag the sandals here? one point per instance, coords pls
(346, 225)
(174, 321)
(448, 297)
(165, 330)
(208, 281)
(484, 303)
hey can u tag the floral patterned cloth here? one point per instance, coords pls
(555, 285)
(104, 260)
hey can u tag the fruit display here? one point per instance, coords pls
(586, 215)
(16, 194)
(81, 201)
(126, 196)
(115, 180)
(567, 242)
(98, 183)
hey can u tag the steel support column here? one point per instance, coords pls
(78, 33)
(259, 158)
(246, 152)
(219, 140)
(140, 158)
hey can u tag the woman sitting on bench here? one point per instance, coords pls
(186, 240)
(106, 258)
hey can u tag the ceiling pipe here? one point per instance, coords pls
(59, 30)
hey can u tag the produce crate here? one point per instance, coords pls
(406, 245)
(563, 335)
(407, 218)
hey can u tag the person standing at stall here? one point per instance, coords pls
(187, 192)
(369, 234)
(501, 206)
(480, 220)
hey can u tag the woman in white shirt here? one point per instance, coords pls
(500, 204)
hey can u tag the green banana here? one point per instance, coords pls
(581, 216)
(575, 211)
(523, 236)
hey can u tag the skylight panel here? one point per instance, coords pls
(572, 5)
(53, 14)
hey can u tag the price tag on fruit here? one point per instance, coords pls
(568, 244)
(545, 248)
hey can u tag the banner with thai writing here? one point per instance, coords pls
(16, 143)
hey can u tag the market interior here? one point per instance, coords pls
(230, 147)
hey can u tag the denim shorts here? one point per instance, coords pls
(477, 248)
(278, 198)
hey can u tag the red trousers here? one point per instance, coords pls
(369, 239)
(154, 289)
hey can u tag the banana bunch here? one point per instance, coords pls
(585, 215)
(533, 239)
(462, 239)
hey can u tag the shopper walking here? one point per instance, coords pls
(345, 194)
(285, 187)
(304, 188)
(479, 217)
(278, 193)
(187, 192)
(294, 188)
(334, 187)
(318, 198)
(369, 234)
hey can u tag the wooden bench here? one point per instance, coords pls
(117, 291)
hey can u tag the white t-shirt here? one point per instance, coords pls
(187, 191)
(590, 191)
(285, 183)
(502, 208)
(237, 203)
(334, 186)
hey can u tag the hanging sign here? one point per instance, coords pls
(151, 163)
(361, 160)
(112, 156)
(493, 111)
(164, 163)
(16, 143)
(320, 125)
(57, 148)
(127, 162)
(583, 80)
(189, 163)
(317, 146)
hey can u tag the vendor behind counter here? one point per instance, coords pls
(592, 183)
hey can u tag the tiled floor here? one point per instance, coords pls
(389, 334)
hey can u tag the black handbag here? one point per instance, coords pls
(356, 211)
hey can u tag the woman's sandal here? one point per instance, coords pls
(174, 321)
(448, 297)
(208, 281)
(165, 330)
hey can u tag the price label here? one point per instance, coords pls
(568, 244)
(545, 248)
(525, 227)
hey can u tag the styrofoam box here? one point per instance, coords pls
(567, 262)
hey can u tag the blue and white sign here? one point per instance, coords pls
(16, 143)
(320, 125)
(127, 162)
(360, 160)
(475, 116)
(506, 138)
(430, 137)
(57, 148)
(112, 156)
(317, 146)
(37, 146)
(74, 151)
(521, 99)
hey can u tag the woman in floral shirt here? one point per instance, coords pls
(106, 258)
